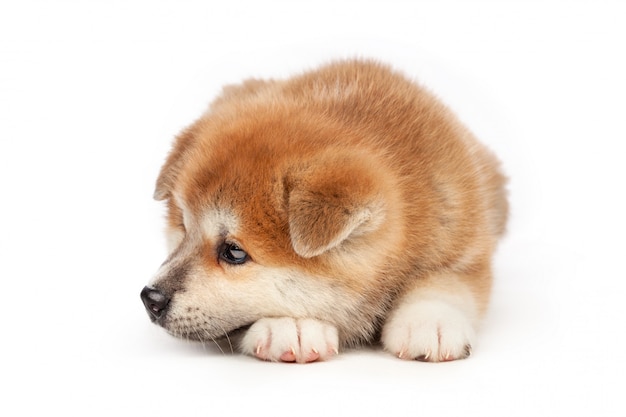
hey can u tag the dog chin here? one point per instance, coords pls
(203, 334)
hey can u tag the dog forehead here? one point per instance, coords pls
(212, 219)
(216, 221)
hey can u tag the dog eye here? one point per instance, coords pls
(233, 254)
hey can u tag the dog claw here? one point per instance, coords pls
(289, 356)
(313, 356)
(288, 345)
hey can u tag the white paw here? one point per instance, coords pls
(428, 330)
(291, 340)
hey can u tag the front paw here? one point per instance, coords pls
(291, 340)
(430, 331)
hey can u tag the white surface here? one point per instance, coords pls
(91, 95)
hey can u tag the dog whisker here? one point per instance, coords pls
(232, 351)
(209, 336)
(213, 340)
(201, 340)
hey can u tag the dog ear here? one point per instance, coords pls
(169, 171)
(332, 201)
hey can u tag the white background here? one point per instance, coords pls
(91, 96)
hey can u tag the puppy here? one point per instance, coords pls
(343, 206)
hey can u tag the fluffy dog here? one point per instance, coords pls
(343, 206)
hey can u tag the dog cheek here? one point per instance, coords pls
(174, 237)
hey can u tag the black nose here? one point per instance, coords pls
(155, 301)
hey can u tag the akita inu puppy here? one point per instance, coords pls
(343, 206)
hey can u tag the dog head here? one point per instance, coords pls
(268, 217)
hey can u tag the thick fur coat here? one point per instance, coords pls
(342, 206)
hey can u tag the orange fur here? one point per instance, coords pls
(350, 177)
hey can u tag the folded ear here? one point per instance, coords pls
(332, 201)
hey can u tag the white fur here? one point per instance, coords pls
(173, 239)
(218, 222)
(432, 326)
(299, 340)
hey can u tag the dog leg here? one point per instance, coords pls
(291, 340)
(435, 321)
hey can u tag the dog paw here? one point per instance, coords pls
(428, 331)
(291, 340)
